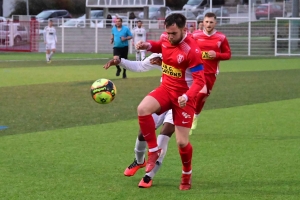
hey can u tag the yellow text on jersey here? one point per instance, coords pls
(205, 55)
(171, 71)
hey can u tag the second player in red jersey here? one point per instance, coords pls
(214, 48)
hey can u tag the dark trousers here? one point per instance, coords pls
(122, 52)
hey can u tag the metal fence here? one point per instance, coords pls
(245, 38)
(247, 35)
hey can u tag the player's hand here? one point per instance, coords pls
(156, 61)
(115, 61)
(142, 45)
(123, 38)
(182, 101)
(212, 54)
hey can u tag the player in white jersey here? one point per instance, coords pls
(50, 40)
(139, 34)
(166, 119)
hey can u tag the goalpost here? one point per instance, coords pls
(287, 36)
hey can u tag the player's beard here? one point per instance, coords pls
(209, 30)
(175, 42)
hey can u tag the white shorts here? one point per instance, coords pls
(163, 118)
(50, 45)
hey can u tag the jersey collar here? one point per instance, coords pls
(204, 31)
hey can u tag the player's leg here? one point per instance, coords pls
(116, 52)
(156, 101)
(186, 153)
(162, 141)
(124, 55)
(53, 48)
(143, 54)
(48, 48)
(182, 123)
(201, 98)
(139, 160)
(140, 149)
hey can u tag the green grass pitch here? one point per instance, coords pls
(60, 144)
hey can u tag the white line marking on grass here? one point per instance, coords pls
(57, 59)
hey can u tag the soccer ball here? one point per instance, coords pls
(103, 91)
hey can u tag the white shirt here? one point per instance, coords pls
(139, 34)
(50, 34)
(140, 66)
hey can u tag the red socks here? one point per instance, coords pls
(147, 127)
(186, 154)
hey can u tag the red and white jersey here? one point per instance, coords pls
(217, 42)
(181, 65)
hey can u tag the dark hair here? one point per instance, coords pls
(50, 20)
(199, 21)
(210, 14)
(119, 19)
(177, 19)
(132, 15)
(139, 21)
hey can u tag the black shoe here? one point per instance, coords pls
(118, 71)
(124, 75)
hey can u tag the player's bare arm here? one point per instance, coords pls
(112, 39)
(115, 61)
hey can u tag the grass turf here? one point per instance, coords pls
(246, 145)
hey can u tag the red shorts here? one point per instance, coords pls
(169, 100)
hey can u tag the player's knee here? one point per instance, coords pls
(143, 110)
(182, 142)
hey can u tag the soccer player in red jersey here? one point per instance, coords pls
(182, 79)
(214, 48)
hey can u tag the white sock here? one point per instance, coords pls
(47, 57)
(140, 148)
(51, 54)
(162, 141)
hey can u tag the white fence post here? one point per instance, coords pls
(275, 36)
(96, 35)
(249, 28)
(63, 36)
(289, 38)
